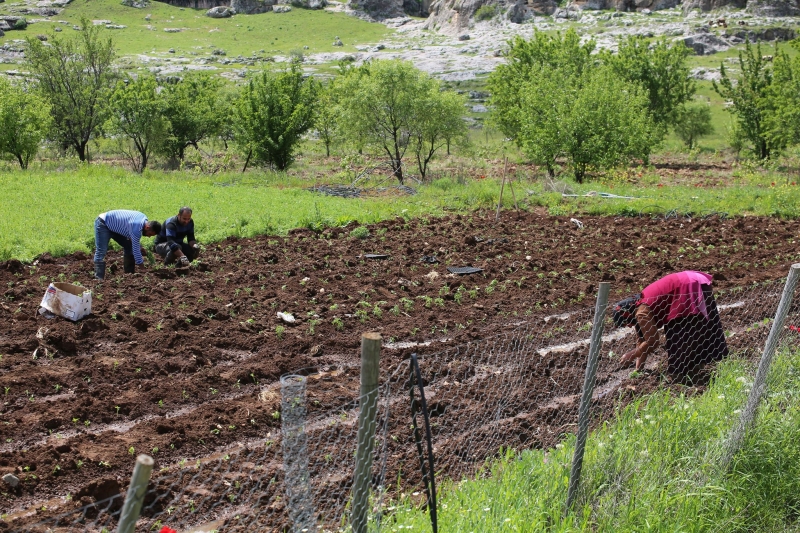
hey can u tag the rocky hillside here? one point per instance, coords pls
(454, 16)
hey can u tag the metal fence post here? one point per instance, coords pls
(135, 495)
(370, 365)
(759, 383)
(297, 483)
(588, 388)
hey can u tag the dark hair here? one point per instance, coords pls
(183, 209)
(155, 226)
(624, 312)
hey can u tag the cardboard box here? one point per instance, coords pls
(70, 301)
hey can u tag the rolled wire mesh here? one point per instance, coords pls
(518, 389)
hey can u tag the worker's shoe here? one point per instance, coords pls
(100, 270)
(170, 258)
(129, 264)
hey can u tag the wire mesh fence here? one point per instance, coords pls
(516, 390)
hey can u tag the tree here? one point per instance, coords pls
(391, 106)
(595, 120)
(75, 76)
(749, 100)
(196, 110)
(24, 122)
(439, 121)
(326, 120)
(138, 119)
(782, 119)
(660, 69)
(526, 60)
(691, 122)
(275, 109)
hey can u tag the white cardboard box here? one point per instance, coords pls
(70, 301)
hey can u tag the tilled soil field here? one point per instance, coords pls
(183, 363)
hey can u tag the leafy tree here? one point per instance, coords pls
(440, 121)
(327, 117)
(138, 119)
(782, 120)
(526, 59)
(749, 99)
(595, 120)
(275, 109)
(24, 122)
(75, 76)
(691, 122)
(196, 109)
(391, 106)
(660, 69)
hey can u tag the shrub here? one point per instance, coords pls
(360, 233)
(486, 12)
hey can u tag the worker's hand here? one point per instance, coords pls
(183, 261)
(633, 357)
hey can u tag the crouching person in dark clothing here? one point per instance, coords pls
(126, 228)
(683, 304)
(170, 243)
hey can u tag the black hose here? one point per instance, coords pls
(427, 473)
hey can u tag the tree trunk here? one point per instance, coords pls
(81, 149)
(22, 164)
(249, 154)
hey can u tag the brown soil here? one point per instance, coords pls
(187, 361)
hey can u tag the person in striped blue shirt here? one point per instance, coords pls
(126, 228)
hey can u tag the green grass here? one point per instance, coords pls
(654, 468)
(53, 211)
(275, 33)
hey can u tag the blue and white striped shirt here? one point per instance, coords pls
(129, 224)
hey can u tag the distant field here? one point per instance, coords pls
(263, 34)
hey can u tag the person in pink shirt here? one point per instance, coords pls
(682, 304)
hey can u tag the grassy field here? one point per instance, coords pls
(53, 211)
(654, 468)
(263, 34)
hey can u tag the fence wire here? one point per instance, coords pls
(518, 389)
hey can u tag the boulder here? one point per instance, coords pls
(138, 4)
(337, 41)
(2, 33)
(310, 4)
(13, 22)
(4, 25)
(543, 7)
(220, 12)
(252, 7)
(379, 9)
(281, 9)
(705, 43)
(774, 8)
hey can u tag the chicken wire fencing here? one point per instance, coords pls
(516, 390)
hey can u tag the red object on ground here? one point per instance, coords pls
(166, 529)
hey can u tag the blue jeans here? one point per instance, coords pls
(102, 236)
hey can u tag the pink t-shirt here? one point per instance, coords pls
(676, 296)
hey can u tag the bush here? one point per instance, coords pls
(360, 233)
(486, 12)
(274, 111)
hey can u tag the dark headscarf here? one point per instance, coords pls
(624, 312)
